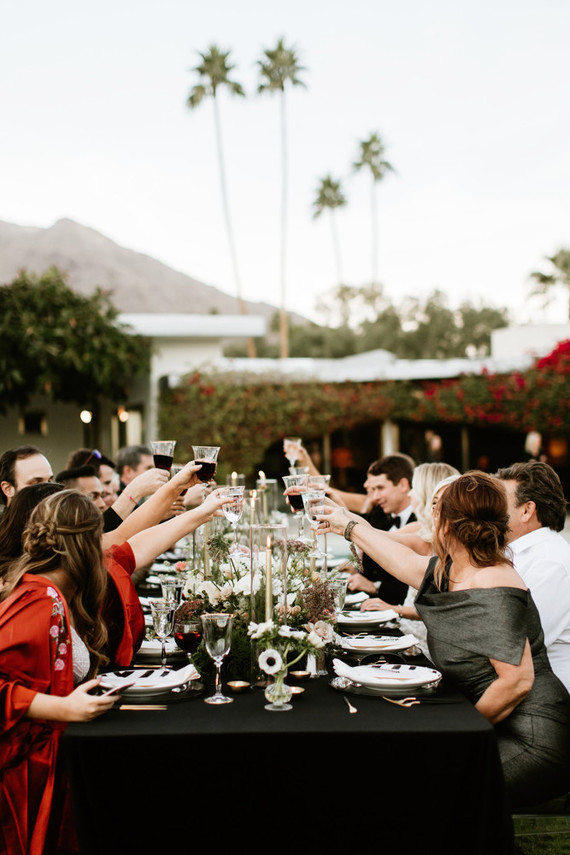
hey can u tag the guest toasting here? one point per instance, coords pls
(484, 632)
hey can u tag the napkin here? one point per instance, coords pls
(365, 672)
(160, 678)
(357, 597)
(154, 645)
(369, 642)
(380, 616)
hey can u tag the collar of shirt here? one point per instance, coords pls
(403, 516)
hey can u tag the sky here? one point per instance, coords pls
(469, 98)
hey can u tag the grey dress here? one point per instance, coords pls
(466, 629)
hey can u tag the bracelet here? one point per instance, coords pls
(348, 529)
(134, 501)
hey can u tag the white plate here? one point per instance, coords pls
(386, 643)
(364, 618)
(160, 681)
(388, 676)
(153, 647)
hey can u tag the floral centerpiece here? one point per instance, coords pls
(279, 642)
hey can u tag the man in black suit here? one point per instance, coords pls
(388, 485)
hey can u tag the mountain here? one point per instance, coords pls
(135, 282)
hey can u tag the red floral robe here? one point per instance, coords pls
(35, 656)
(122, 612)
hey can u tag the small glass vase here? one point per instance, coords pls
(278, 694)
(316, 664)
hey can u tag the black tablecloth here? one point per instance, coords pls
(427, 778)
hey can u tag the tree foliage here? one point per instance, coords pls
(63, 345)
(559, 274)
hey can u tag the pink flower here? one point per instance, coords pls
(62, 649)
(59, 665)
(54, 631)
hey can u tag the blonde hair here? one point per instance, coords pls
(64, 533)
(425, 479)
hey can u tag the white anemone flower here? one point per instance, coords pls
(257, 630)
(270, 661)
(290, 632)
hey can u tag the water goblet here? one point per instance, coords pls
(338, 589)
(163, 452)
(172, 590)
(207, 457)
(218, 639)
(162, 614)
(297, 483)
(299, 470)
(291, 448)
(234, 508)
(314, 503)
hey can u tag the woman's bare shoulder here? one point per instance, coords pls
(498, 576)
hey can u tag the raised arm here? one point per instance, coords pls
(151, 512)
(401, 561)
(147, 544)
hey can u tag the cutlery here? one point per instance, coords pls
(351, 708)
(405, 702)
(132, 707)
(408, 702)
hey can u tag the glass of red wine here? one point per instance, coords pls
(207, 457)
(188, 634)
(296, 486)
(163, 453)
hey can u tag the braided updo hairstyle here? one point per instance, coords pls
(473, 508)
(64, 533)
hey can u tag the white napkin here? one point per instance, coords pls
(369, 617)
(357, 597)
(160, 678)
(369, 642)
(365, 672)
(154, 646)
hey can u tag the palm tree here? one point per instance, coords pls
(372, 157)
(278, 68)
(214, 72)
(330, 195)
(559, 275)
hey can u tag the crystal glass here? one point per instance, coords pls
(162, 614)
(234, 508)
(291, 448)
(172, 590)
(299, 470)
(218, 639)
(314, 502)
(163, 452)
(297, 484)
(207, 457)
(338, 588)
(319, 482)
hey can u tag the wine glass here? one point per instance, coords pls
(162, 614)
(299, 470)
(234, 508)
(299, 484)
(291, 448)
(218, 640)
(163, 452)
(188, 635)
(338, 590)
(172, 590)
(207, 457)
(314, 503)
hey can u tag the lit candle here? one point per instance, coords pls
(268, 581)
(234, 479)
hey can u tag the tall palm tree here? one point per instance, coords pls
(214, 72)
(330, 195)
(372, 157)
(280, 68)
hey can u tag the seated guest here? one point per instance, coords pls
(484, 632)
(389, 481)
(541, 556)
(15, 519)
(20, 467)
(86, 480)
(132, 460)
(52, 638)
(104, 467)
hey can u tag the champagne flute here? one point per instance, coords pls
(314, 503)
(321, 482)
(291, 448)
(163, 452)
(299, 484)
(162, 614)
(218, 640)
(234, 508)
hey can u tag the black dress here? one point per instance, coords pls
(466, 629)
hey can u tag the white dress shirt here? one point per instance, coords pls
(542, 559)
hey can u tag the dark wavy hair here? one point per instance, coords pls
(538, 482)
(15, 519)
(64, 533)
(474, 508)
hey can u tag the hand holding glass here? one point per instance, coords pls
(291, 448)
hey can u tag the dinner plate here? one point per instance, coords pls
(342, 684)
(381, 644)
(388, 676)
(366, 618)
(152, 682)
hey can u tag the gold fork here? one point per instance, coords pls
(404, 702)
(351, 708)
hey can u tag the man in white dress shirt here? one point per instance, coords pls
(541, 556)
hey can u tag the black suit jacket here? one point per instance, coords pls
(391, 590)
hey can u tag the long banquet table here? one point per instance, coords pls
(193, 776)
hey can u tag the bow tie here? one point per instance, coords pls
(396, 521)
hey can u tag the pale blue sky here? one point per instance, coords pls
(471, 99)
